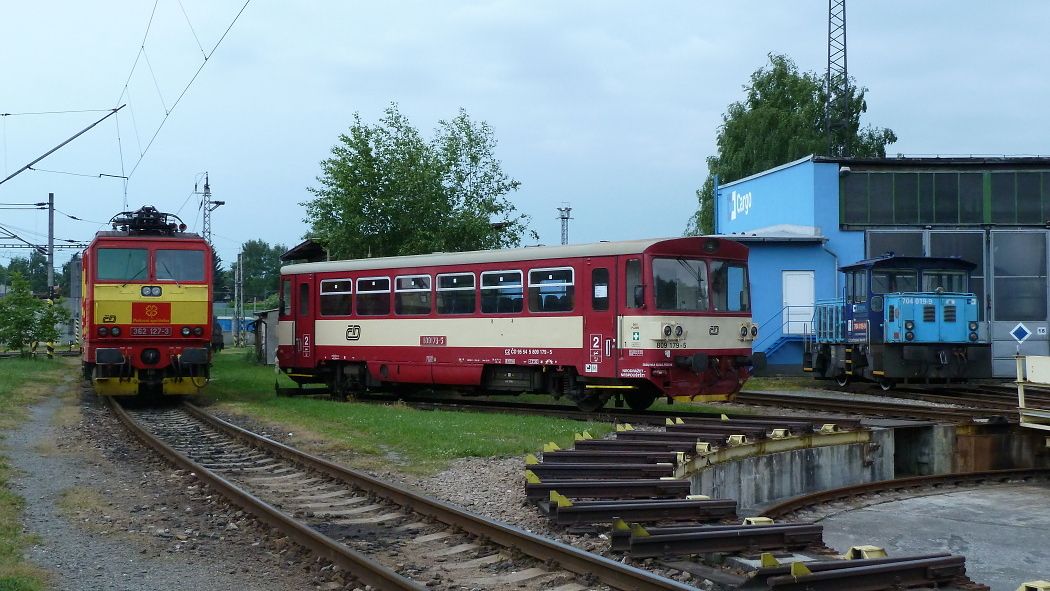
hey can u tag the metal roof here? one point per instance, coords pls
(910, 262)
(485, 256)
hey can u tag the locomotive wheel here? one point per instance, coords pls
(842, 380)
(886, 384)
(591, 403)
(639, 400)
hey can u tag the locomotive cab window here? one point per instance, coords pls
(857, 287)
(950, 281)
(551, 290)
(122, 264)
(680, 284)
(501, 292)
(373, 296)
(336, 297)
(729, 287)
(893, 281)
(412, 294)
(455, 293)
(179, 265)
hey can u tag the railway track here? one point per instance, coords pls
(382, 534)
(887, 409)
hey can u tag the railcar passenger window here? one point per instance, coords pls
(680, 284)
(501, 292)
(600, 289)
(122, 264)
(950, 281)
(455, 293)
(180, 265)
(412, 294)
(373, 296)
(286, 296)
(551, 290)
(635, 290)
(336, 297)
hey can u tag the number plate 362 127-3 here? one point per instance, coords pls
(151, 331)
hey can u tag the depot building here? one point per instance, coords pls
(805, 219)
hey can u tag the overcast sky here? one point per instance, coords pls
(610, 106)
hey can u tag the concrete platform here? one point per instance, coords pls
(1004, 531)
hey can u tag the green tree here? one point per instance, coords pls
(220, 279)
(33, 269)
(782, 118)
(25, 319)
(387, 191)
(3, 274)
(262, 269)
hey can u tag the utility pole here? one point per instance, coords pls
(207, 206)
(238, 300)
(50, 245)
(563, 214)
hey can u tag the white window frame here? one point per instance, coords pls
(347, 279)
(571, 283)
(437, 281)
(357, 285)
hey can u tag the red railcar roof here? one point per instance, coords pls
(689, 246)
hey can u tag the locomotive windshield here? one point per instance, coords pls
(950, 281)
(681, 284)
(893, 281)
(180, 265)
(122, 264)
(729, 287)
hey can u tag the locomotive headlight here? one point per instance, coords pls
(678, 330)
(198, 331)
(973, 337)
(103, 331)
(754, 330)
(155, 291)
(185, 331)
(145, 291)
(743, 331)
(667, 330)
(909, 325)
(973, 326)
(909, 336)
(115, 331)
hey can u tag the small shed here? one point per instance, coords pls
(266, 336)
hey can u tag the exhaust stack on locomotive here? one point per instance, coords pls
(146, 316)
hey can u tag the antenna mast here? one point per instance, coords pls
(208, 206)
(563, 215)
(836, 111)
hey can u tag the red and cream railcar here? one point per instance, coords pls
(641, 318)
(146, 308)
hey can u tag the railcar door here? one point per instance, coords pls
(599, 325)
(304, 320)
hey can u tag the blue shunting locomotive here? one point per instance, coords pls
(903, 319)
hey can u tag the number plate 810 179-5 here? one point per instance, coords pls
(151, 331)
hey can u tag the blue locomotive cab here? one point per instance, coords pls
(901, 319)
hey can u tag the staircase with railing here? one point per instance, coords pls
(789, 324)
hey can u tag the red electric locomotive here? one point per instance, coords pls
(642, 318)
(146, 316)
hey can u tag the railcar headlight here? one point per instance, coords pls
(667, 330)
(973, 326)
(973, 337)
(198, 331)
(909, 336)
(103, 331)
(743, 331)
(679, 331)
(185, 331)
(115, 331)
(155, 291)
(909, 325)
(754, 330)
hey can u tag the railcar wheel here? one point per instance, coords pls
(591, 403)
(886, 384)
(842, 380)
(639, 400)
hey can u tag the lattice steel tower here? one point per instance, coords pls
(836, 111)
(207, 206)
(563, 215)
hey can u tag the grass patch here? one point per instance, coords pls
(79, 501)
(22, 382)
(783, 384)
(372, 435)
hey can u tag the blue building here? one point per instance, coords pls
(806, 218)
